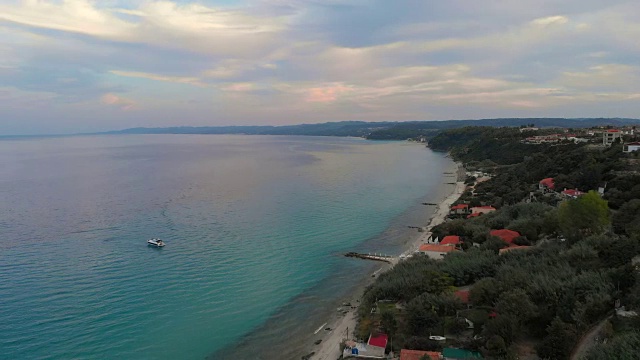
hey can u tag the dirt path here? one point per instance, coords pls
(587, 341)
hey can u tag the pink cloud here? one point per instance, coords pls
(325, 94)
(115, 100)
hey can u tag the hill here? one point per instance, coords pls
(379, 130)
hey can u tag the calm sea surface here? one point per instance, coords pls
(254, 228)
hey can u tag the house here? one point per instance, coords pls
(513, 247)
(451, 240)
(419, 355)
(373, 349)
(631, 147)
(436, 252)
(572, 193)
(546, 184)
(610, 136)
(460, 209)
(459, 354)
(463, 295)
(507, 235)
(473, 215)
(482, 209)
(528, 129)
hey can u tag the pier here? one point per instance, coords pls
(375, 257)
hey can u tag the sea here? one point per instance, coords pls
(255, 230)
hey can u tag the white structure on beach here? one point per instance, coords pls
(436, 252)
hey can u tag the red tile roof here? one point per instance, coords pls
(463, 295)
(418, 354)
(506, 235)
(437, 248)
(633, 143)
(613, 130)
(474, 215)
(379, 341)
(460, 207)
(450, 240)
(573, 192)
(548, 182)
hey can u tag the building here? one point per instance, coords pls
(572, 193)
(547, 184)
(513, 247)
(610, 136)
(463, 296)
(506, 235)
(482, 209)
(451, 240)
(541, 139)
(436, 252)
(460, 209)
(459, 354)
(631, 147)
(373, 349)
(419, 355)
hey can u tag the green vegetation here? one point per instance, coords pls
(577, 266)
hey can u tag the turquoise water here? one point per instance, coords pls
(254, 228)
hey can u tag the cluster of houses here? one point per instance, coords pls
(451, 243)
(554, 138)
(600, 135)
(375, 347)
(446, 354)
(548, 186)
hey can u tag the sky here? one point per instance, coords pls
(81, 66)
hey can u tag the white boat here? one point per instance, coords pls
(155, 242)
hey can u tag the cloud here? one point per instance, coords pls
(157, 77)
(550, 20)
(278, 61)
(239, 87)
(326, 94)
(116, 100)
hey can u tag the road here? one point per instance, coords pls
(587, 340)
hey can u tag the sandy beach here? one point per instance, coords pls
(329, 349)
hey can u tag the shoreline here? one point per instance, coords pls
(328, 349)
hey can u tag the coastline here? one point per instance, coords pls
(328, 349)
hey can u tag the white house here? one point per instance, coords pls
(631, 147)
(436, 252)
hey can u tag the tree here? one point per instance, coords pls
(627, 219)
(388, 322)
(517, 303)
(496, 347)
(458, 326)
(505, 326)
(485, 292)
(586, 215)
(559, 341)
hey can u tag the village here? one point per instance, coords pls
(459, 322)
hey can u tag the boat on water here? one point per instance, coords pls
(155, 242)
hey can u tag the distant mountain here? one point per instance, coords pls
(379, 130)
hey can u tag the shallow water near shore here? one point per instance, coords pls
(255, 228)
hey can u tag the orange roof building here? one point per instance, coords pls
(463, 295)
(436, 252)
(507, 235)
(482, 209)
(547, 183)
(418, 354)
(451, 240)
